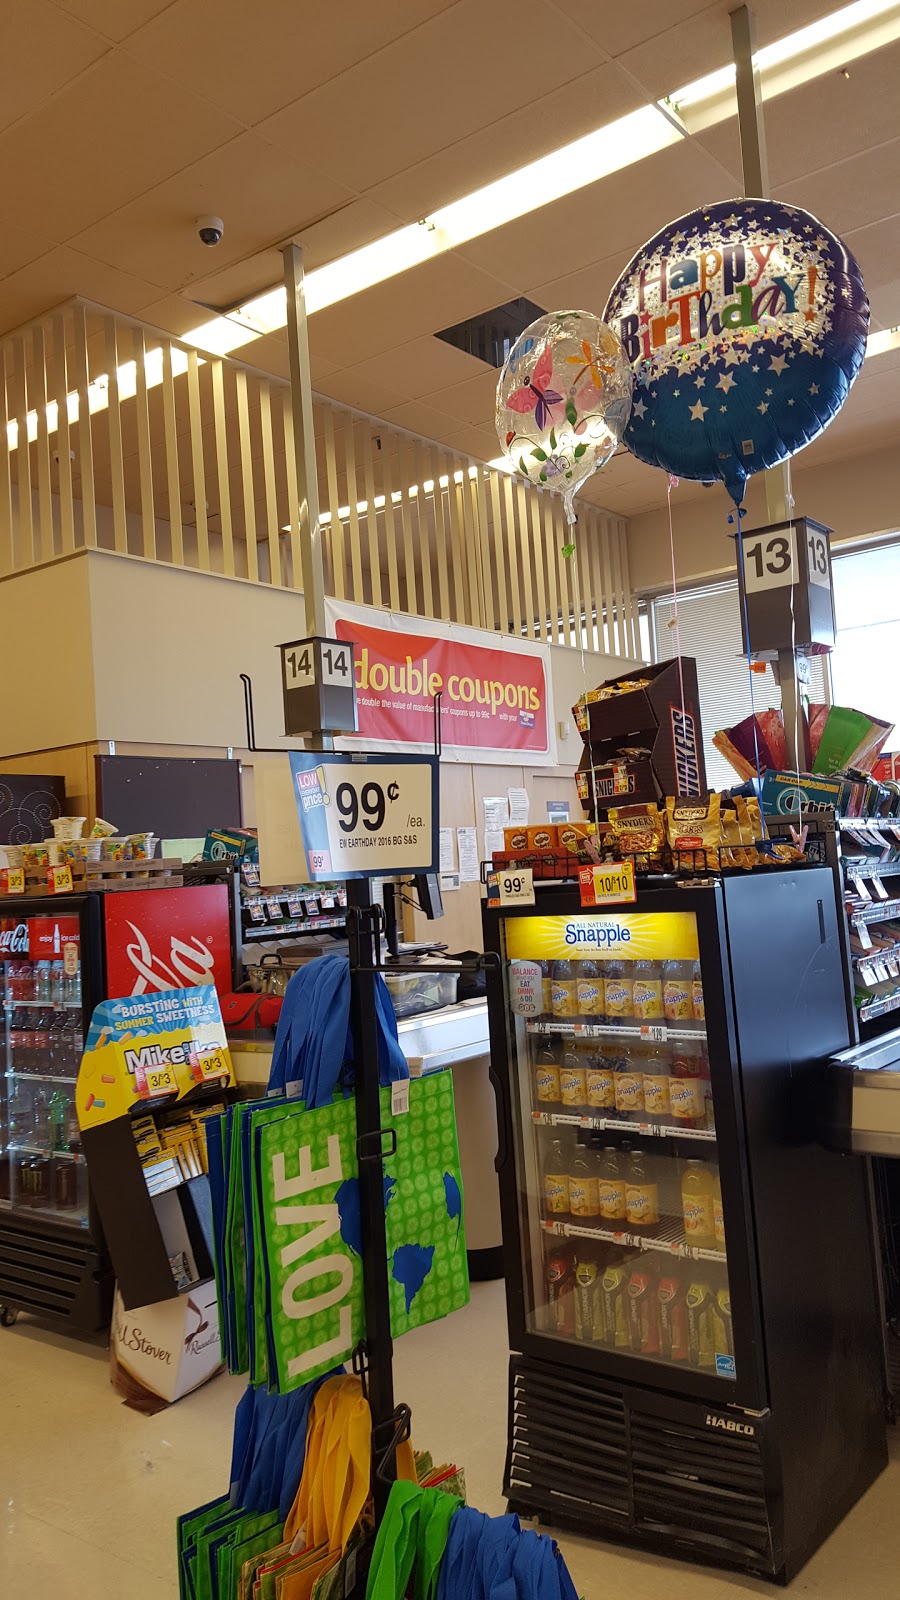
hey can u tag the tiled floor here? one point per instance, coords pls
(90, 1490)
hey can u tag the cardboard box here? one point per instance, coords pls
(160, 1352)
(662, 717)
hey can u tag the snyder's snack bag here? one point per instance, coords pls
(635, 830)
(694, 832)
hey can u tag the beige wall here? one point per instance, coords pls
(856, 498)
(47, 697)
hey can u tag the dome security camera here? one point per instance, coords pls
(210, 230)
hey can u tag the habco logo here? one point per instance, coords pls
(190, 964)
(730, 1425)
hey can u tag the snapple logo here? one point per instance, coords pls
(599, 933)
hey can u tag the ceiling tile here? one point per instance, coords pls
(253, 71)
(699, 43)
(420, 366)
(852, 193)
(546, 122)
(473, 64)
(587, 289)
(62, 273)
(115, 19)
(115, 131)
(18, 246)
(365, 394)
(877, 249)
(620, 27)
(42, 51)
(422, 418)
(607, 216)
(478, 442)
(260, 193)
(472, 402)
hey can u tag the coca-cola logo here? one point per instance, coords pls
(14, 941)
(189, 964)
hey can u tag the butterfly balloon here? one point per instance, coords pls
(563, 401)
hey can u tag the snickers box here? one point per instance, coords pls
(661, 716)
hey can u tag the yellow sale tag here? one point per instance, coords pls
(59, 879)
(610, 884)
(212, 1066)
(15, 880)
(151, 1081)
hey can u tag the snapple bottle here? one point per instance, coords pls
(589, 988)
(618, 991)
(687, 1087)
(677, 993)
(647, 992)
(564, 990)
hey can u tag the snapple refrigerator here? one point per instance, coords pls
(59, 957)
(692, 1305)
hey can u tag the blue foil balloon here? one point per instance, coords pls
(745, 324)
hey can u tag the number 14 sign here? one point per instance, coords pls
(785, 576)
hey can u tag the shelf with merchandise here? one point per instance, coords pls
(42, 1005)
(40, 1077)
(648, 1032)
(633, 1130)
(266, 930)
(668, 1239)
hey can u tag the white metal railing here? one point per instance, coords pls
(142, 444)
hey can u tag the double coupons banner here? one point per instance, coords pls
(495, 693)
(153, 1049)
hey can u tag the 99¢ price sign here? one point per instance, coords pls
(364, 816)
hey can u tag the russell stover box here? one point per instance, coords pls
(642, 737)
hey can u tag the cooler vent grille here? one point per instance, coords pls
(700, 1483)
(44, 1273)
(567, 1443)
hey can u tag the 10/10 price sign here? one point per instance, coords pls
(365, 816)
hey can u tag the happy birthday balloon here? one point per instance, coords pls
(563, 399)
(745, 325)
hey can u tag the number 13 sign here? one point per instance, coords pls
(785, 574)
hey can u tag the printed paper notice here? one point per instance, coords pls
(518, 807)
(447, 854)
(496, 814)
(493, 840)
(467, 841)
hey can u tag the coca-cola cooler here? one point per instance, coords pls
(58, 960)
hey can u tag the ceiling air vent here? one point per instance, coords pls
(492, 335)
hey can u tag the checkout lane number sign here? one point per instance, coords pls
(365, 816)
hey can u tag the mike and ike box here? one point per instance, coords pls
(642, 736)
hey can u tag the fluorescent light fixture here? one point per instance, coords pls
(823, 46)
(879, 343)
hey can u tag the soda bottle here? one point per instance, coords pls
(698, 1305)
(41, 1042)
(556, 1182)
(588, 1299)
(42, 981)
(613, 1291)
(643, 1320)
(629, 1083)
(718, 1214)
(677, 1003)
(57, 978)
(564, 993)
(698, 1004)
(687, 1090)
(610, 1185)
(601, 1085)
(618, 991)
(74, 1043)
(15, 1030)
(559, 1282)
(673, 1337)
(589, 988)
(57, 1108)
(647, 991)
(546, 1076)
(697, 1205)
(573, 1081)
(584, 1193)
(58, 1045)
(656, 1083)
(641, 1194)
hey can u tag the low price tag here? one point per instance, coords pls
(214, 1065)
(152, 1081)
(610, 884)
(516, 887)
(364, 816)
(12, 880)
(59, 879)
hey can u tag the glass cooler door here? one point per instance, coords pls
(622, 1226)
(43, 1169)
